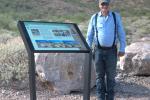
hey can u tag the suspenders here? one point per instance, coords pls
(99, 46)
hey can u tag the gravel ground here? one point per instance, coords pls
(127, 88)
(10, 94)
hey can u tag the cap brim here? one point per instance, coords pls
(104, 2)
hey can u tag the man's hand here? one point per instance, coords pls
(120, 54)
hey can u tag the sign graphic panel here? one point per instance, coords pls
(54, 36)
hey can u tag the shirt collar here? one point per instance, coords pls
(100, 13)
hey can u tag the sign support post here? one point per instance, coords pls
(32, 79)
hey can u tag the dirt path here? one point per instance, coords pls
(127, 88)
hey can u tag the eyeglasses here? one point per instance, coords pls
(105, 4)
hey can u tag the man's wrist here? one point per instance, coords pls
(120, 53)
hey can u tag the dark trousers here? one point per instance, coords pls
(105, 65)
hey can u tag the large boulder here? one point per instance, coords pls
(64, 72)
(137, 58)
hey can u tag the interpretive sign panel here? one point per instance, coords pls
(53, 36)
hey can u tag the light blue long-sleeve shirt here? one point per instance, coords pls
(106, 29)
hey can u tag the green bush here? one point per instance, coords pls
(13, 61)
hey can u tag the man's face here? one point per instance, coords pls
(104, 7)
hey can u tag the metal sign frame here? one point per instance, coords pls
(30, 49)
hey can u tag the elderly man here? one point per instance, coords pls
(106, 29)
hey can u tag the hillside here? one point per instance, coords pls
(135, 14)
(78, 11)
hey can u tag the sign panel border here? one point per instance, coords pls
(30, 47)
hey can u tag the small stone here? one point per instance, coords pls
(3, 91)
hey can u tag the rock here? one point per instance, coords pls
(142, 61)
(63, 71)
(145, 39)
(137, 58)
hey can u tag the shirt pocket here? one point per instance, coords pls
(100, 26)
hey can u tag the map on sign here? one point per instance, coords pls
(54, 36)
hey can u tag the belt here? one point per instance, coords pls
(106, 48)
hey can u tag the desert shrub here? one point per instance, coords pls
(13, 61)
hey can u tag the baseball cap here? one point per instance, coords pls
(102, 1)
